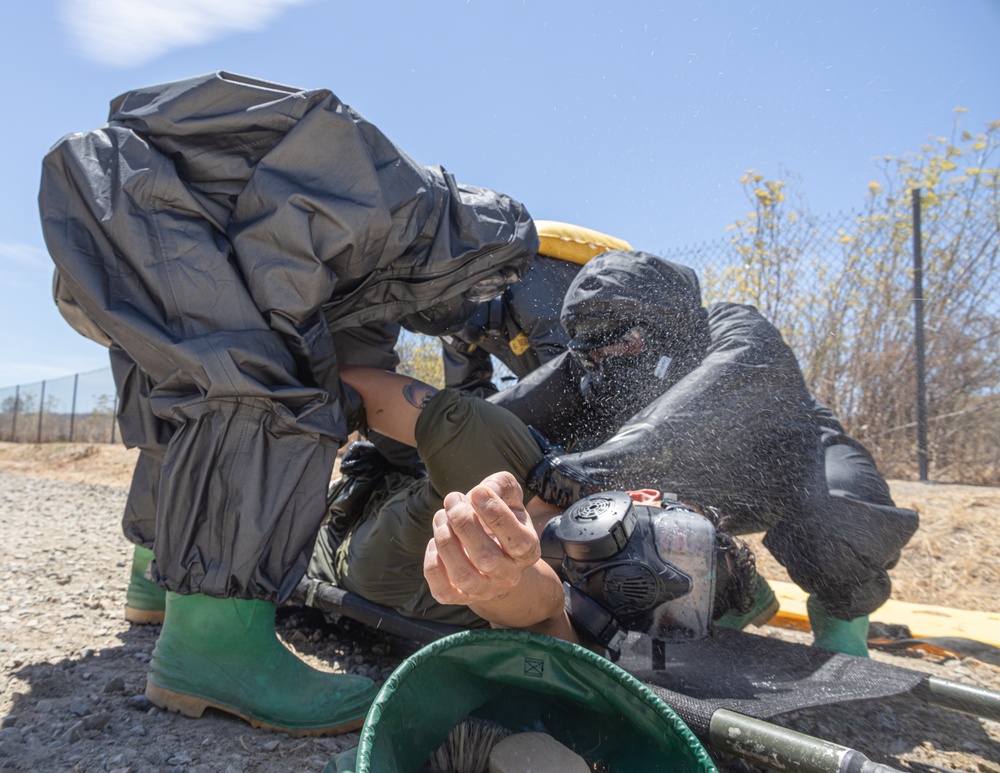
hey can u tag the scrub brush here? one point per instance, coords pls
(467, 747)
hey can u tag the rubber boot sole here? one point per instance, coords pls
(193, 707)
(144, 616)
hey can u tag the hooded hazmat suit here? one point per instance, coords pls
(716, 411)
(235, 241)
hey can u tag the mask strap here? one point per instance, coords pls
(594, 620)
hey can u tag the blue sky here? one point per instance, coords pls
(634, 118)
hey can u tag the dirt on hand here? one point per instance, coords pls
(71, 689)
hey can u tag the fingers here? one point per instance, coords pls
(474, 565)
(482, 543)
(436, 574)
(508, 522)
(506, 487)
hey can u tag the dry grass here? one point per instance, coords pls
(954, 558)
(110, 465)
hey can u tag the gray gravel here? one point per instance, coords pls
(71, 688)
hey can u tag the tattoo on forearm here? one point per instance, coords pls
(418, 394)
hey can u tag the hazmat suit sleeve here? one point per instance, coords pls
(222, 231)
(733, 432)
(549, 400)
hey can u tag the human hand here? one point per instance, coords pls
(483, 542)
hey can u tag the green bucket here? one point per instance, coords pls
(525, 682)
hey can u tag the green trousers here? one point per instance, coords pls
(461, 440)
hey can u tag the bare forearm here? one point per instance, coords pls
(536, 605)
(392, 401)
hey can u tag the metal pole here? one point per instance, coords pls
(918, 337)
(778, 748)
(114, 413)
(17, 404)
(41, 413)
(966, 698)
(72, 410)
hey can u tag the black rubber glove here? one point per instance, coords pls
(361, 471)
(561, 482)
(399, 455)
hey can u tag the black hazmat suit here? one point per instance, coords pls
(717, 412)
(235, 242)
(520, 328)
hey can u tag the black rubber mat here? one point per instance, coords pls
(763, 677)
(742, 672)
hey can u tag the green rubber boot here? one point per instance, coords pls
(144, 599)
(765, 606)
(225, 654)
(829, 633)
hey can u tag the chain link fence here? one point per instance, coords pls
(895, 319)
(74, 409)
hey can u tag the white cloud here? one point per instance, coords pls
(126, 33)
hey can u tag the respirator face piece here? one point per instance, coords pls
(652, 569)
(447, 317)
(493, 286)
(442, 318)
(606, 353)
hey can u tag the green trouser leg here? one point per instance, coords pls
(847, 636)
(765, 606)
(225, 654)
(144, 599)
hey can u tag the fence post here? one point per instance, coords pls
(17, 404)
(72, 410)
(918, 338)
(41, 413)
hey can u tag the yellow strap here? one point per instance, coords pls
(573, 242)
(924, 621)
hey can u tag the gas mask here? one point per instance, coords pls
(634, 568)
(442, 318)
(607, 371)
(618, 360)
(450, 315)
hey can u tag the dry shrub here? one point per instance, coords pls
(842, 291)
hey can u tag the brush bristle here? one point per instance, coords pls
(467, 747)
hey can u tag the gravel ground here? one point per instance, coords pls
(71, 688)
